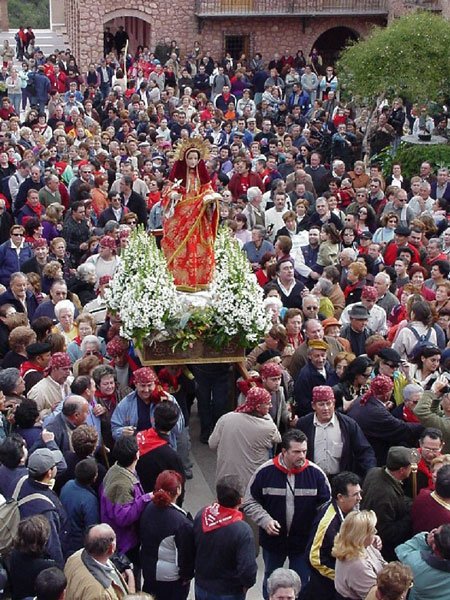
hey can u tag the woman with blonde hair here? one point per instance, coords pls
(357, 559)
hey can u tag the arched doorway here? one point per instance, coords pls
(332, 41)
(135, 23)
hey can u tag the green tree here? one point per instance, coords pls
(409, 58)
(34, 13)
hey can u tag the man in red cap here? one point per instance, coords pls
(124, 365)
(244, 438)
(377, 315)
(280, 411)
(55, 386)
(335, 441)
(135, 412)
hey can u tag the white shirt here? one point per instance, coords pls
(328, 445)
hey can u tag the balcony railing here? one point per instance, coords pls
(303, 8)
(433, 5)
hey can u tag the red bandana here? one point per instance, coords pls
(217, 516)
(149, 440)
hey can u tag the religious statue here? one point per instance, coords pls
(190, 218)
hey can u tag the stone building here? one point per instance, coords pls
(236, 26)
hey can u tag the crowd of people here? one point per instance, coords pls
(332, 452)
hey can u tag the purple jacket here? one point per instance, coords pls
(122, 501)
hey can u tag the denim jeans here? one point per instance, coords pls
(275, 560)
(201, 594)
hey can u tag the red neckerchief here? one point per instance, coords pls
(276, 462)
(28, 365)
(149, 440)
(350, 288)
(409, 416)
(423, 468)
(77, 340)
(108, 400)
(36, 209)
(216, 516)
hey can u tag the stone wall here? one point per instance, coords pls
(85, 20)
(4, 20)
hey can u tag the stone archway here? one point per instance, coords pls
(332, 41)
(135, 22)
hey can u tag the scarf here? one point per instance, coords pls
(216, 516)
(409, 416)
(284, 469)
(150, 439)
(108, 401)
(28, 366)
(36, 209)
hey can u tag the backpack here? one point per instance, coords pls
(423, 341)
(10, 514)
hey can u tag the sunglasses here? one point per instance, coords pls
(17, 234)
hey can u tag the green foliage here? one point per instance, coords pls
(33, 13)
(411, 157)
(409, 58)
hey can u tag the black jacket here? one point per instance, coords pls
(357, 454)
(136, 204)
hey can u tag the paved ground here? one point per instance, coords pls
(200, 489)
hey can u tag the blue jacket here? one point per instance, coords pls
(42, 86)
(431, 573)
(31, 302)
(382, 429)
(357, 454)
(11, 262)
(53, 511)
(267, 495)
(308, 378)
(82, 508)
(126, 414)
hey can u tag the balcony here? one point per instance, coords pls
(287, 8)
(432, 5)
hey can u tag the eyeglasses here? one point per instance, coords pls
(311, 307)
(16, 233)
(391, 365)
(132, 222)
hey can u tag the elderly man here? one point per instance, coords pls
(434, 253)
(55, 386)
(90, 572)
(441, 187)
(258, 246)
(346, 257)
(282, 498)
(317, 371)
(19, 296)
(399, 206)
(431, 507)
(377, 315)
(253, 211)
(49, 194)
(58, 292)
(244, 438)
(357, 332)
(74, 413)
(313, 331)
(386, 299)
(383, 493)
(335, 441)
(135, 412)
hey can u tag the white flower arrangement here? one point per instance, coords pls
(237, 297)
(151, 308)
(143, 290)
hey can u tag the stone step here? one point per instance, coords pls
(46, 39)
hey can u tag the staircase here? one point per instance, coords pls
(46, 39)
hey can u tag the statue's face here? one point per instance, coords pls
(192, 159)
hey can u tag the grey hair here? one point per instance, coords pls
(89, 339)
(350, 253)
(436, 241)
(309, 297)
(325, 286)
(253, 192)
(8, 380)
(84, 270)
(410, 389)
(284, 578)
(63, 305)
(384, 276)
